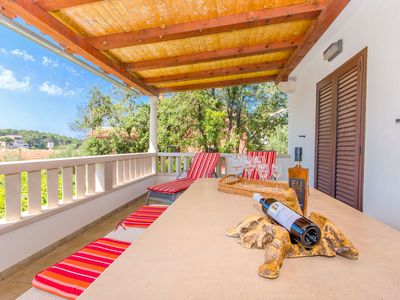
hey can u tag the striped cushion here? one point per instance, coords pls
(268, 156)
(144, 216)
(203, 165)
(71, 276)
(172, 187)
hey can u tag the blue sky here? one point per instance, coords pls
(38, 89)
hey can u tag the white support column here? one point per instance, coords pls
(153, 124)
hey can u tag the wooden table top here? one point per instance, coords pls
(186, 255)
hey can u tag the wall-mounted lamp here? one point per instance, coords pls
(333, 50)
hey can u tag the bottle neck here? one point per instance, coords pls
(298, 164)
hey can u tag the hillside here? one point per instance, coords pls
(39, 140)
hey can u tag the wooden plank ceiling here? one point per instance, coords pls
(160, 46)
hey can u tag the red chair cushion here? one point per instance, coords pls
(270, 158)
(203, 165)
(144, 216)
(172, 187)
(71, 276)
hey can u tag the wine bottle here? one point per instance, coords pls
(298, 180)
(301, 229)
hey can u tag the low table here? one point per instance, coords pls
(186, 255)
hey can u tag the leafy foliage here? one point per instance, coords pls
(234, 119)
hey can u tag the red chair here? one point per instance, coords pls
(268, 156)
(203, 166)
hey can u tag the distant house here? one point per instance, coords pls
(13, 141)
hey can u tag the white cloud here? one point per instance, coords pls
(48, 62)
(23, 54)
(71, 70)
(55, 90)
(9, 82)
(3, 51)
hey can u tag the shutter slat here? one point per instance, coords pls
(324, 139)
(346, 138)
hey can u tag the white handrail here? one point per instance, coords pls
(87, 175)
(33, 165)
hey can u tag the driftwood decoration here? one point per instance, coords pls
(261, 233)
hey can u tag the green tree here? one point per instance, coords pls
(94, 113)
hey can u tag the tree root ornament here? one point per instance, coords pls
(260, 232)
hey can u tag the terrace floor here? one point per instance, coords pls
(19, 282)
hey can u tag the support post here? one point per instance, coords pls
(153, 124)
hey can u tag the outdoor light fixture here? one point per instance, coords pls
(333, 50)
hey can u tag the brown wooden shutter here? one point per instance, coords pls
(324, 136)
(340, 132)
(347, 144)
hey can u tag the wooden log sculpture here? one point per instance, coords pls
(262, 233)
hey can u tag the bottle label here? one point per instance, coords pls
(299, 185)
(283, 215)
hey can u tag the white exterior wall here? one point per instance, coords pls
(376, 25)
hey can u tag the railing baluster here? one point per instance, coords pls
(126, 170)
(132, 169)
(120, 172)
(12, 185)
(142, 167)
(178, 165)
(80, 182)
(34, 192)
(219, 167)
(186, 163)
(162, 167)
(90, 179)
(114, 170)
(170, 164)
(108, 168)
(67, 184)
(52, 188)
(154, 164)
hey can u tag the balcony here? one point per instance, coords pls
(341, 113)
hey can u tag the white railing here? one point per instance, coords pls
(68, 180)
(174, 163)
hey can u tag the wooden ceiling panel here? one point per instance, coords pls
(241, 38)
(183, 44)
(107, 17)
(218, 84)
(220, 64)
(224, 78)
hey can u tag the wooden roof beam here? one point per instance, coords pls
(73, 43)
(51, 5)
(236, 70)
(211, 26)
(211, 56)
(217, 84)
(321, 24)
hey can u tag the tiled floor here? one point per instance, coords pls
(17, 283)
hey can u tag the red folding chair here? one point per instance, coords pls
(269, 157)
(203, 166)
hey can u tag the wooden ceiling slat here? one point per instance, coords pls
(51, 5)
(211, 56)
(226, 83)
(321, 24)
(41, 19)
(250, 68)
(206, 27)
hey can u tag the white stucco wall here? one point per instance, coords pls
(376, 25)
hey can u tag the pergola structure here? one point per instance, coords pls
(175, 45)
